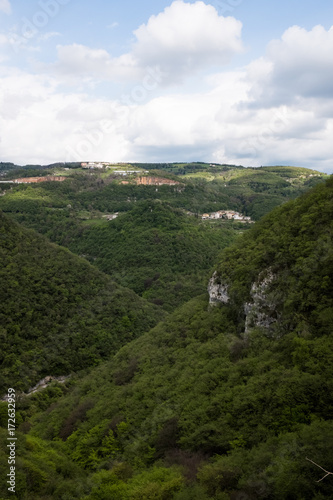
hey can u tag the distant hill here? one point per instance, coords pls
(204, 187)
(166, 263)
(6, 167)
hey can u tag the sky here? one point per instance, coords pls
(245, 82)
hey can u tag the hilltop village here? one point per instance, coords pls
(228, 215)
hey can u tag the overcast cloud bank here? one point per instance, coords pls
(180, 100)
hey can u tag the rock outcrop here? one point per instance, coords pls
(48, 178)
(42, 384)
(155, 181)
(261, 311)
(218, 291)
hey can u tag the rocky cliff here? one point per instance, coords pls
(155, 181)
(259, 311)
(32, 180)
(218, 291)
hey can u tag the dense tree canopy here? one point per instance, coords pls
(57, 312)
(203, 405)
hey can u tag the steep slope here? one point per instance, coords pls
(207, 407)
(57, 312)
(279, 276)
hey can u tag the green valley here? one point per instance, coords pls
(158, 246)
(200, 351)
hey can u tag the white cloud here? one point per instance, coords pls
(299, 65)
(209, 125)
(5, 6)
(275, 110)
(76, 61)
(54, 126)
(187, 37)
(181, 40)
(3, 46)
(189, 119)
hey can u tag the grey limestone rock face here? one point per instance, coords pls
(261, 310)
(218, 292)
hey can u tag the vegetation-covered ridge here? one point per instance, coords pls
(279, 275)
(166, 263)
(252, 191)
(158, 251)
(58, 313)
(195, 409)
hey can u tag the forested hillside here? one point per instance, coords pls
(159, 252)
(158, 246)
(282, 279)
(202, 188)
(220, 401)
(58, 314)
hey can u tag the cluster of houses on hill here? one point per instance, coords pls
(129, 172)
(94, 164)
(228, 215)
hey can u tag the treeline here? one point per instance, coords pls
(181, 168)
(156, 250)
(4, 166)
